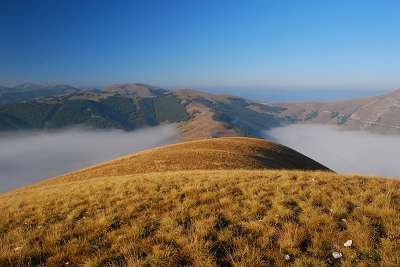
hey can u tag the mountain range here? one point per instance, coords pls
(199, 114)
(131, 106)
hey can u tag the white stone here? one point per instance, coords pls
(287, 257)
(348, 243)
(336, 255)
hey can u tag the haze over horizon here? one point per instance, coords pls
(207, 44)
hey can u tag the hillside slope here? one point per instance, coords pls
(213, 217)
(209, 154)
(224, 115)
(93, 110)
(379, 114)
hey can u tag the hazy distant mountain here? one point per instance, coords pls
(200, 114)
(379, 114)
(135, 89)
(224, 115)
(91, 109)
(131, 106)
(29, 91)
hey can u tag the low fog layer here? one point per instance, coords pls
(343, 151)
(31, 156)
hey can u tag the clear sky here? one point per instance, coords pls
(275, 44)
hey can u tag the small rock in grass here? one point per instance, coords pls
(348, 243)
(287, 257)
(336, 255)
(67, 263)
(17, 248)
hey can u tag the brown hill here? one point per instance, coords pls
(224, 115)
(212, 217)
(208, 154)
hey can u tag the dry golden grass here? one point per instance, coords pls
(218, 153)
(180, 217)
(204, 218)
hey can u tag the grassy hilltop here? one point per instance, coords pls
(215, 202)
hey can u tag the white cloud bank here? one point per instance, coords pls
(31, 156)
(343, 151)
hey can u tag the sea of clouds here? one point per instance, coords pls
(343, 151)
(27, 157)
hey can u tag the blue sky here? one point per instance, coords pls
(256, 44)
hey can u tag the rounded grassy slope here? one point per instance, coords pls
(209, 154)
(204, 218)
(155, 209)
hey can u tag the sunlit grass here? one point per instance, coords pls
(204, 218)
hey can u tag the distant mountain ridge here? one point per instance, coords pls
(91, 109)
(135, 89)
(379, 114)
(200, 115)
(131, 106)
(29, 91)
